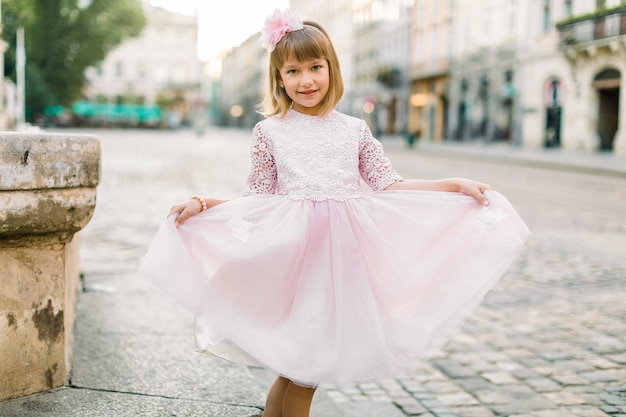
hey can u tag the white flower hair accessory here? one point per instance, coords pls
(277, 26)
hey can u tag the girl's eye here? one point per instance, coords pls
(291, 71)
(317, 67)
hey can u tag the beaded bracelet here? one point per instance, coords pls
(200, 200)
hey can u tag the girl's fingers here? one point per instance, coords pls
(480, 196)
(176, 209)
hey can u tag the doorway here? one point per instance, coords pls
(607, 84)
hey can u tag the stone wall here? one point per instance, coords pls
(47, 194)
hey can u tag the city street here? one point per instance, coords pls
(549, 340)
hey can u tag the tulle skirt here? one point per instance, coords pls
(335, 291)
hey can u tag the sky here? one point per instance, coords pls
(223, 24)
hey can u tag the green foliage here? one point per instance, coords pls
(63, 38)
(603, 11)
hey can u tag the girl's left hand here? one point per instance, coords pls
(185, 210)
(474, 189)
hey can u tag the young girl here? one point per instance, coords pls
(308, 274)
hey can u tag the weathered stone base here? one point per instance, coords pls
(47, 194)
(37, 316)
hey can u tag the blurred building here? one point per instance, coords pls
(380, 88)
(430, 55)
(575, 65)
(488, 46)
(242, 84)
(532, 73)
(159, 67)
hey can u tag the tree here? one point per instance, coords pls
(63, 39)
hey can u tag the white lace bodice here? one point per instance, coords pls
(316, 158)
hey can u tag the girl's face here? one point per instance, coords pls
(306, 83)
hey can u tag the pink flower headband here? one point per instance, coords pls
(277, 26)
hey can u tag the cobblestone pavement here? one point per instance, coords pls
(549, 340)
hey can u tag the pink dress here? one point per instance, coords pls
(321, 280)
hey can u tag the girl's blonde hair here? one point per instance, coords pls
(309, 43)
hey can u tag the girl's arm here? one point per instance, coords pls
(192, 207)
(261, 179)
(461, 185)
(377, 172)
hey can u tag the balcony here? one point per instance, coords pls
(603, 28)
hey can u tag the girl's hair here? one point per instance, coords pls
(309, 43)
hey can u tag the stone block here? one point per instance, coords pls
(47, 194)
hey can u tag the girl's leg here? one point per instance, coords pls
(297, 401)
(274, 402)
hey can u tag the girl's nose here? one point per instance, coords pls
(306, 78)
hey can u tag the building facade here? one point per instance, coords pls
(531, 73)
(161, 66)
(488, 46)
(429, 72)
(380, 88)
(574, 76)
(243, 72)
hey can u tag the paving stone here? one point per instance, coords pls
(454, 370)
(553, 413)
(555, 356)
(337, 396)
(612, 399)
(586, 411)
(565, 398)
(543, 384)
(546, 370)
(522, 406)
(472, 411)
(602, 363)
(410, 406)
(618, 358)
(575, 365)
(441, 386)
(524, 373)
(605, 376)
(473, 384)
(493, 397)
(568, 380)
(518, 353)
(457, 399)
(499, 378)
(587, 389)
(415, 410)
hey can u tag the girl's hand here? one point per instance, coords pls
(474, 189)
(185, 210)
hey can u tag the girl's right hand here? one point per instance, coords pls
(185, 210)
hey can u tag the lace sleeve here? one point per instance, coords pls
(374, 166)
(262, 176)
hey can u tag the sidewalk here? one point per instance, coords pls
(602, 163)
(132, 357)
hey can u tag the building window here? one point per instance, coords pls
(569, 11)
(119, 69)
(161, 73)
(141, 70)
(513, 17)
(546, 14)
